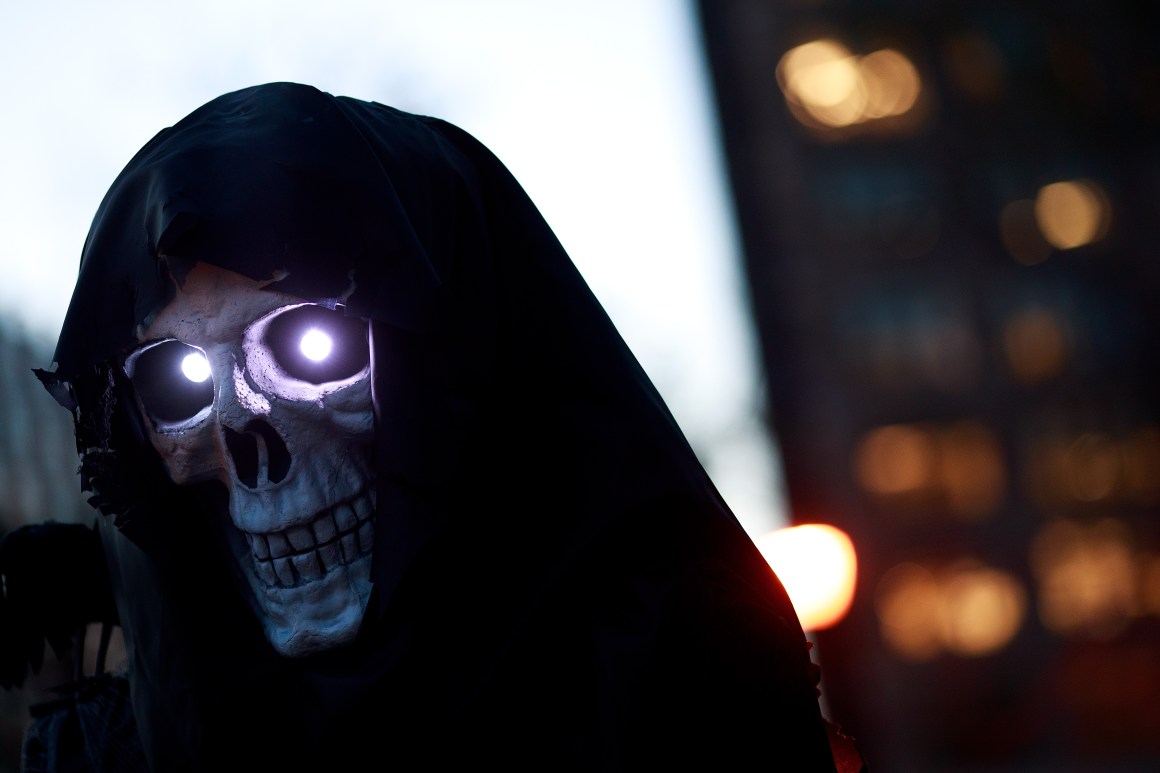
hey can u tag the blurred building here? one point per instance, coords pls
(949, 218)
(38, 482)
(38, 459)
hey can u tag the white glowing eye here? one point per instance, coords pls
(313, 344)
(195, 367)
(316, 345)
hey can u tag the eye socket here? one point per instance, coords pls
(172, 379)
(317, 344)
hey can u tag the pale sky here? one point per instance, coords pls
(600, 108)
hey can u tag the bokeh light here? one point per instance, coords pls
(1072, 213)
(965, 608)
(981, 609)
(818, 566)
(959, 467)
(895, 459)
(1094, 468)
(907, 604)
(1087, 577)
(827, 85)
(892, 84)
(822, 77)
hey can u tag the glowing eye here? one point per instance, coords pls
(195, 367)
(316, 345)
(172, 379)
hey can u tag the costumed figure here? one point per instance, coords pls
(381, 486)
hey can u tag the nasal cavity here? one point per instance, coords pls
(277, 454)
(258, 453)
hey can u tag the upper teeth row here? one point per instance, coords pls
(338, 535)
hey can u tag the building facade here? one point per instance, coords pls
(949, 215)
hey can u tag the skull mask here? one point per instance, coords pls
(271, 396)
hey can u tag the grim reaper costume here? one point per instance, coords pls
(412, 503)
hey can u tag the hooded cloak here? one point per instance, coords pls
(557, 582)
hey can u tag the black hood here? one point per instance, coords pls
(533, 488)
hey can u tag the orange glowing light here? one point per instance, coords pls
(981, 610)
(820, 73)
(1087, 577)
(1093, 467)
(828, 86)
(892, 83)
(1072, 213)
(907, 602)
(818, 567)
(895, 459)
(964, 608)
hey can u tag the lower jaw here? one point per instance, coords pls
(318, 615)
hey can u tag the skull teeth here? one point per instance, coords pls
(284, 571)
(345, 517)
(329, 555)
(301, 539)
(325, 530)
(308, 566)
(340, 535)
(277, 545)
